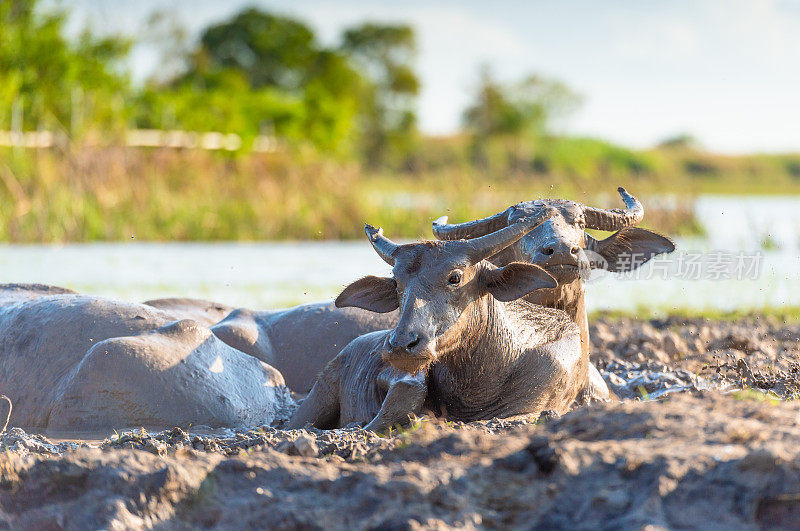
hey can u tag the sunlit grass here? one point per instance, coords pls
(116, 194)
(790, 314)
(754, 395)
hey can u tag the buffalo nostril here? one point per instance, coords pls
(548, 251)
(413, 344)
(393, 340)
(575, 250)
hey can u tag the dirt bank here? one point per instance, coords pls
(687, 456)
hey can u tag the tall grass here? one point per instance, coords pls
(113, 193)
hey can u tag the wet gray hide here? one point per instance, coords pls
(298, 341)
(75, 364)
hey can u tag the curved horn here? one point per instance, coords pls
(382, 245)
(615, 218)
(470, 229)
(477, 249)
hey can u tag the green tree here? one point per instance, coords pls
(49, 80)
(516, 114)
(270, 50)
(386, 54)
(259, 72)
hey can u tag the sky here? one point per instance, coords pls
(724, 71)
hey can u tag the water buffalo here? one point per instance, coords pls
(204, 312)
(73, 363)
(297, 341)
(563, 248)
(465, 343)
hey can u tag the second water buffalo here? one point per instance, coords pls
(565, 250)
(465, 344)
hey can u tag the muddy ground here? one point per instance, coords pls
(655, 356)
(686, 447)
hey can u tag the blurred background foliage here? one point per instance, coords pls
(347, 146)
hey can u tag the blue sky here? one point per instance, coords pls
(726, 71)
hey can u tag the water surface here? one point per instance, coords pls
(272, 274)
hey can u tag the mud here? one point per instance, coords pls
(705, 435)
(680, 354)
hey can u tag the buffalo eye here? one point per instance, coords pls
(454, 278)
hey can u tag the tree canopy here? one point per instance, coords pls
(50, 81)
(386, 54)
(255, 73)
(261, 72)
(526, 108)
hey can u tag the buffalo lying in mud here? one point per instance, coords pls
(205, 312)
(299, 341)
(465, 344)
(563, 248)
(73, 363)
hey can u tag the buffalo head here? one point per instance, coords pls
(435, 282)
(561, 245)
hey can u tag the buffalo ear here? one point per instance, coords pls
(375, 294)
(516, 280)
(629, 248)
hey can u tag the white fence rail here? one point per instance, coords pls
(212, 140)
(28, 139)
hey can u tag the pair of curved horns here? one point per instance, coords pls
(475, 249)
(596, 218)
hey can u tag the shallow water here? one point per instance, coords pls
(269, 274)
